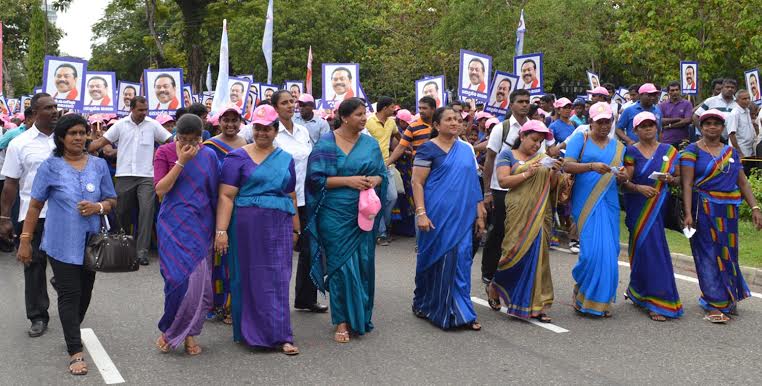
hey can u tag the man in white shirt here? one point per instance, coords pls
(739, 127)
(135, 135)
(25, 154)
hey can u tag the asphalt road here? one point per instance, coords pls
(626, 349)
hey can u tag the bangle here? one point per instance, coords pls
(180, 164)
(420, 214)
(524, 174)
(755, 207)
(591, 166)
(4, 218)
(296, 232)
(420, 210)
(25, 235)
(220, 233)
(487, 194)
(100, 211)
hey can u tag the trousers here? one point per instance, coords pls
(74, 285)
(136, 192)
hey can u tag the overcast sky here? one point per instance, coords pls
(76, 24)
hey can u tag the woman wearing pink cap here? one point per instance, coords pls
(523, 279)
(257, 189)
(448, 202)
(343, 164)
(652, 282)
(713, 186)
(597, 162)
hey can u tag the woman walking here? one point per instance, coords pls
(257, 225)
(343, 164)
(222, 144)
(186, 176)
(597, 162)
(523, 278)
(448, 202)
(652, 281)
(78, 190)
(713, 186)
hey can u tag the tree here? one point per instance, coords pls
(193, 12)
(36, 56)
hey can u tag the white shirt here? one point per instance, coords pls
(739, 122)
(299, 145)
(25, 154)
(495, 144)
(135, 142)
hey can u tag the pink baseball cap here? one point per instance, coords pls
(19, 116)
(463, 115)
(483, 115)
(367, 209)
(599, 91)
(405, 115)
(9, 125)
(647, 88)
(164, 118)
(712, 113)
(561, 103)
(601, 110)
(642, 117)
(306, 98)
(543, 112)
(491, 122)
(232, 107)
(264, 115)
(538, 127)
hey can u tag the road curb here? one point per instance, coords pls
(753, 276)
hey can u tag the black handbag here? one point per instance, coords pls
(110, 252)
(674, 213)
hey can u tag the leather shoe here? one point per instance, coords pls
(316, 307)
(143, 260)
(37, 329)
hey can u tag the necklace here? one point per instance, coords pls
(714, 159)
(345, 138)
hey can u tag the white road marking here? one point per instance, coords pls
(99, 355)
(547, 326)
(688, 278)
(564, 250)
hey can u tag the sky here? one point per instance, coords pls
(76, 23)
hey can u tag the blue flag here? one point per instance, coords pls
(520, 35)
(267, 42)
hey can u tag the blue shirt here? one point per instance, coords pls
(625, 120)
(561, 130)
(577, 120)
(6, 139)
(316, 126)
(63, 187)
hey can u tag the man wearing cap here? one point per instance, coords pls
(381, 126)
(739, 127)
(562, 127)
(648, 94)
(315, 125)
(135, 135)
(676, 116)
(494, 195)
(724, 102)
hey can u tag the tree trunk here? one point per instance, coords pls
(151, 20)
(193, 16)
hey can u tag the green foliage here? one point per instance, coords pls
(36, 56)
(755, 180)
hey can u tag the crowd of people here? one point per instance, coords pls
(230, 200)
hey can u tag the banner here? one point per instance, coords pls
(522, 28)
(63, 79)
(689, 78)
(433, 86)
(267, 41)
(221, 90)
(127, 91)
(340, 81)
(503, 84)
(101, 91)
(473, 76)
(163, 90)
(530, 71)
(752, 84)
(593, 80)
(295, 87)
(238, 92)
(309, 72)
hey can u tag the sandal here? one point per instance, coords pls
(228, 319)
(341, 337)
(290, 350)
(719, 318)
(494, 304)
(543, 318)
(607, 314)
(192, 350)
(656, 317)
(78, 366)
(162, 344)
(419, 313)
(475, 326)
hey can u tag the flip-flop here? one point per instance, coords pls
(656, 317)
(163, 347)
(193, 350)
(290, 350)
(717, 318)
(341, 337)
(475, 326)
(543, 318)
(494, 304)
(83, 370)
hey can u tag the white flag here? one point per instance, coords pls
(222, 92)
(209, 77)
(520, 35)
(267, 42)
(309, 72)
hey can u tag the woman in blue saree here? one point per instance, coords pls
(186, 177)
(343, 163)
(222, 144)
(597, 162)
(652, 281)
(257, 226)
(448, 201)
(713, 185)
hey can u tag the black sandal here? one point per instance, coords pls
(543, 318)
(494, 304)
(475, 326)
(418, 313)
(83, 371)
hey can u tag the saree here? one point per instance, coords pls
(185, 230)
(220, 266)
(261, 244)
(523, 278)
(652, 281)
(595, 208)
(716, 197)
(443, 269)
(343, 255)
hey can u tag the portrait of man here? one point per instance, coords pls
(97, 91)
(690, 78)
(752, 81)
(237, 94)
(529, 75)
(128, 91)
(295, 90)
(26, 102)
(502, 93)
(594, 82)
(341, 83)
(13, 105)
(164, 90)
(187, 96)
(476, 75)
(208, 103)
(431, 89)
(66, 77)
(269, 93)
(473, 74)
(529, 69)
(430, 86)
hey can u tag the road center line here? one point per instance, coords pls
(547, 326)
(688, 278)
(99, 355)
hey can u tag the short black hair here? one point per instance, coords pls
(197, 109)
(384, 102)
(634, 87)
(548, 98)
(189, 124)
(138, 99)
(180, 112)
(67, 65)
(431, 82)
(342, 68)
(66, 122)
(534, 65)
(164, 75)
(429, 101)
(730, 81)
(673, 84)
(134, 91)
(105, 83)
(238, 84)
(28, 112)
(35, 98)
(518, 93)
(476, 60)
